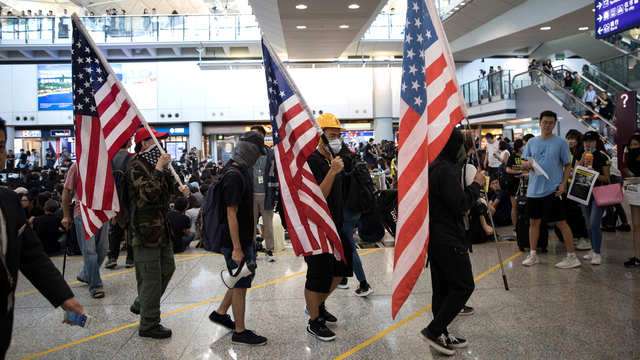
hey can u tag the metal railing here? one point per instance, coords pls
(128, 28)
(497, 84)
(584, 113)
(624, 41)
(624, 69)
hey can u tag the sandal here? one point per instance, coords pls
(98, 294)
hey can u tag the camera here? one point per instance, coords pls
(482, 73)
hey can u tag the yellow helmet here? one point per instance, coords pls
(328, 120)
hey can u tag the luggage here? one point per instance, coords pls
(522, 233)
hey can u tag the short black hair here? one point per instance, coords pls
(3, 127)
(502, 145)
(493, 178)
(180, 204)
(259, 129)
(549, 113)
(528, 137)
(370, 139)
(51, 206)
(488, 136)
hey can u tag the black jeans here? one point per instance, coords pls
(116, 233)
(452, 283)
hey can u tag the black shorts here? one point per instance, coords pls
(549, 208)
(322, 268)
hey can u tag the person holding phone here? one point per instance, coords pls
(21, 249)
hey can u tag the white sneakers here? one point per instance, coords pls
(568, 263)
(582, 244)
(596, 259)
(531, 260)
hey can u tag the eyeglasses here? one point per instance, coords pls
(548, 123)
(334, 136)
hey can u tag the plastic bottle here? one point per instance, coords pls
(379, 168)
(588, 160)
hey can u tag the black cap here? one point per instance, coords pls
(591, 135)
(254, 138)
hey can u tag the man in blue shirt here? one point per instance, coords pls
(551, 153)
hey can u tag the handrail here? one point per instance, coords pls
(600, 73)
(589, 82)
(575, 98)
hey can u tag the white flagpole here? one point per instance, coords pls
(105, 63)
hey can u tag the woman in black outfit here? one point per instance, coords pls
(50, 182)
(31, 207)
(633, 165)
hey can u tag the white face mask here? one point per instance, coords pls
(336, 145)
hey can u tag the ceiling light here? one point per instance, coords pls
(545, 28)
(301, 7)
(583, 28)
(354, 6)
(456, 8)
(344, 26)
(450, 12)
(462, 4)
(301, 27)
(594, 9)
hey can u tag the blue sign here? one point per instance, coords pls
(173, 131)
(614, 16)
(61, 133)
(54, 87)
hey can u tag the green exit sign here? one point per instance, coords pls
(219, 137)
(559, 58)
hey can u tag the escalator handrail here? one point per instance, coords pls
(606, 121)
(600, 73)
(586, 80)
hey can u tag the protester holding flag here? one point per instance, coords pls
(148, 188)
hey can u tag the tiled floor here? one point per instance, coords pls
(590, 312)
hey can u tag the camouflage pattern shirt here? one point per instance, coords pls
(149, 189)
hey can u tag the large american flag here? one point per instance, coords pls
(295, 137)
(431, 105)
(105, 120)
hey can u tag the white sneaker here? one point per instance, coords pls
(532, 259)
(583, 245)
(589, 256)
(568, 263)
(597, 259)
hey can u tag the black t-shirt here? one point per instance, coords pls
(367, 155)
(320, 166)
(599, 162)
(504, 206)
(46, 228)
(235, 193)
(179, 222)
(607, 111)
(23, 158)
(10, 160)
(36, 211)
(50, 184)
(32, 184)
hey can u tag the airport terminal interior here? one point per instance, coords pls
(194, 70)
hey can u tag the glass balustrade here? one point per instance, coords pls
(585, 113)
(488, 87)
(118, 29)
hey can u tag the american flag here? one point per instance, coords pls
(295, 137)
(431, 104)
(105, 119)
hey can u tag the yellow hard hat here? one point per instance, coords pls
(328, 120)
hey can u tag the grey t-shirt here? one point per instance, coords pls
(260, 171)
(118, 160)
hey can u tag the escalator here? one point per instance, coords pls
(536, 91)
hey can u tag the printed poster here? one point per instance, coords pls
(582, 184)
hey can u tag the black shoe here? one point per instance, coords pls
(633, 262)
(111, 263)
(438, 343)
(467, 310)
(320, 330)
(624, 227)
(344, 284)
(129, 264)
(134, 310)
(81, 280)
(457, 343)
(364, 289)
(608, 229)
(222, 320)
(327, 316)
(248, 337)
(158, 332)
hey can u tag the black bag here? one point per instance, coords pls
(522, 233)
(388, 207)
(212, 217)
(73, 248)
(360, 197)
(506, 180)
(371, 227)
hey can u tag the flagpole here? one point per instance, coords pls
(121, 87)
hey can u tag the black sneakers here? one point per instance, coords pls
(439, 343)
(319, 329)
(134, 310)
(633, 262)
(457, 343)
(248, 337)
(364, 289)
(111, 263)
(467, 310)
(327, 316)
(344, 283)
(222, 320)
(158, 332)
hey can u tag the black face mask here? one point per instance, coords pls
(634, 153)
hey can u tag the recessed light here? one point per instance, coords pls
(462, 4)
(545, 28)
(594, 10)
(344, 26)
(301, 7)
(450, 12)
(456, 8)
(301, 27)
(354, 6)
(583, 28)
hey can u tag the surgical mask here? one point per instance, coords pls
(336, 145)
(592, 150)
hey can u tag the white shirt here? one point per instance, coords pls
(493, 149)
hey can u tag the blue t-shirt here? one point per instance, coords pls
(551, 155)
(504, 206)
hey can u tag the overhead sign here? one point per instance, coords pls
(29, 134)
(61, 133)
(174, 130)
(614, 16)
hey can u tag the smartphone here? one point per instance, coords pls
(80, 320)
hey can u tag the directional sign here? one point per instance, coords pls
(614, 16)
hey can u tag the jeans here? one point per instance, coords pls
(349, 222)
(94, 251)
(611, 216)
(593, 215)
(187, 239)
(116, 233)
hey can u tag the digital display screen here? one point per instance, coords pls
(614, 16)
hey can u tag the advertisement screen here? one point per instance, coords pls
(54, 85)
(614, 16)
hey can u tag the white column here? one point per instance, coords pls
(382, 104)
(10, 139)
(195, 135)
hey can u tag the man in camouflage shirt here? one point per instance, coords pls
(148, 187)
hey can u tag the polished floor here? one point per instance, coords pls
(590, 312)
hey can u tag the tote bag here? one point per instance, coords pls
(608, 194)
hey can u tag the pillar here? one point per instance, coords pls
(195, 135)
(382, 104)
(10, 139)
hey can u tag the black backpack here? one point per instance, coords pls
(214, 211)
(119, 175)
(360, 196)
(388, 208)
(506, 180)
